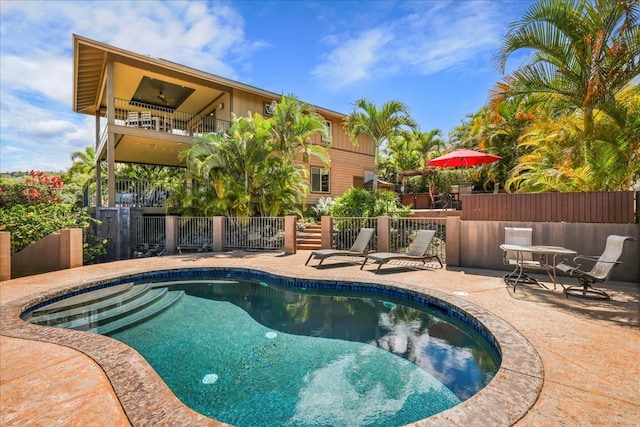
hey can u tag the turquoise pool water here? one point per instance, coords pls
(252, 349)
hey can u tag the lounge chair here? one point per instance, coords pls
(600, 272)
(358, 249)
(417, 251)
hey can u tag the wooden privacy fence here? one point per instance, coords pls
(616, 207)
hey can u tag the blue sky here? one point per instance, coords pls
(433, 55)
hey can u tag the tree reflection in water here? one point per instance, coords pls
(445, 347)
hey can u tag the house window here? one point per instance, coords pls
(268, 108)
(329, 136)
(320, 180)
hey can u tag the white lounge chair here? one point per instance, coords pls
(417, 251)
(600, 272)
(358, 249)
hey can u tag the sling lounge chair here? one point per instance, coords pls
(417, 251)
(358, 249)
(600, 272)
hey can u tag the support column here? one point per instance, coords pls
(111, 147)
(326, 230)
(290, 230)
(384, 234)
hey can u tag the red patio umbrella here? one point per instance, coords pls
(463, 158)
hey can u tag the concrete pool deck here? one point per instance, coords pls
(590, 350)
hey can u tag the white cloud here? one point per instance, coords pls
(433, 37)
(354, 59)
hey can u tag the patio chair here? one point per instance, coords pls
(600, 272)
(146, 119)
(417, 251)
(358, 249)
(132, 119)
(523, 237)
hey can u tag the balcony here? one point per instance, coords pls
(150, 134)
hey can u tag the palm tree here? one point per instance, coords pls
(293, 124)
(84, 165)
(379, 124)
(428, 145)
(583, 53)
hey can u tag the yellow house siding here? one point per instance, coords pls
(344, 167)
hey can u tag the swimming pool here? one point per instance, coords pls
(509, 345)
(253, 352)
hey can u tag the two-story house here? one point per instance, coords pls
(148, 109)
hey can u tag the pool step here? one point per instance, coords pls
(53, 317)
(103, 315)
(140, 315)
(83, 299)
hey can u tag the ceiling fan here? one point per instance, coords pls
(164, 99)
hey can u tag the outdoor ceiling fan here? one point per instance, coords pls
(164, 99)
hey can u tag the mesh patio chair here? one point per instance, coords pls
(358, 249)
(600, 272)
(417, 252)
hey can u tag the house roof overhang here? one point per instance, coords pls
(89, 73)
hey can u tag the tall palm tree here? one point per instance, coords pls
(293, 124)
(378, 124)
(583, 53)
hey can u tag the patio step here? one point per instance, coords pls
(310, 237)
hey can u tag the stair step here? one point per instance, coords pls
(84, 298)
(98, 305)
(168, 299)
(93, 320)
(308, 247)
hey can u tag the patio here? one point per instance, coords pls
(589, 349)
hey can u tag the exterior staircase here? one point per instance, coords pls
(106, 310)
(309, 237)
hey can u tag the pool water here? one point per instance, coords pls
(251, 352)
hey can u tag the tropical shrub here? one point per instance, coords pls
(31, 209)
(28, 224)
(358, 202)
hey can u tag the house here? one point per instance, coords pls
(147, 110)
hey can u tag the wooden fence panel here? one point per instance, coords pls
(619, 207)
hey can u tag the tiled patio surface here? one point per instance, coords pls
(590, 350)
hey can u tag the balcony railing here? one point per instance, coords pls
(165, 120)
(130, 193)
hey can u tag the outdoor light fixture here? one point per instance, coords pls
(221, 106)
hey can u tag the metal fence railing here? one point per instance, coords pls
(149, 235)
(195, 234)
(346, 229)
(403, 230)
(254, 233)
